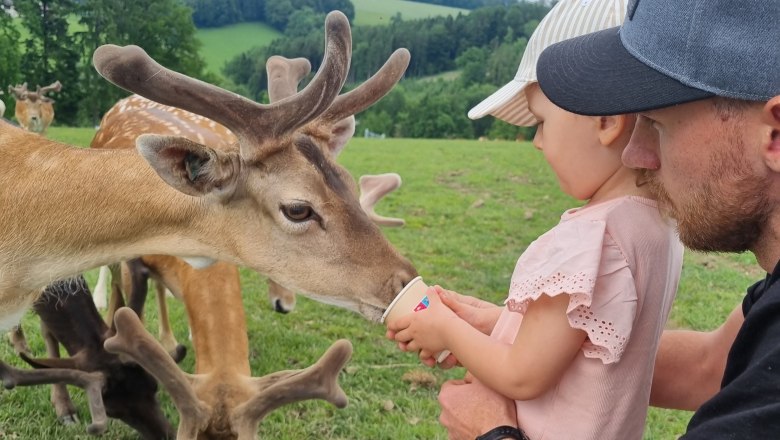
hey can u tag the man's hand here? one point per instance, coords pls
(469, 409)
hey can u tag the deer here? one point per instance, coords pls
(2, 106)
(34, 111)
(220, 400)
(133, 115)
(114, 387)
(274, 201)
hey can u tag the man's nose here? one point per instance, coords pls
(640, 153)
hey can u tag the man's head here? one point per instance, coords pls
(567, 19)
(703, 76)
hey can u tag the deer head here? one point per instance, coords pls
(34, 110)
(115, 387)
(308, 230)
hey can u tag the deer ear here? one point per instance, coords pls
(188, 166)
(341, 133)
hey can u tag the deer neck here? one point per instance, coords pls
(109, 205)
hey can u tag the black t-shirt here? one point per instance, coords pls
(748, 404)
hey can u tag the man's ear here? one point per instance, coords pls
(188, 166)
(614, 128)
(771, 117)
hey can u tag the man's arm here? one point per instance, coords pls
(689, 365)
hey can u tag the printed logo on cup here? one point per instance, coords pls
(422, 305)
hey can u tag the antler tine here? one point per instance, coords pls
(319, 381)
(19, 91)
(372, 90)
(372, 189)
(56, 86)
(92, 383)
(133, 340)
(284, 74)
(131, 68)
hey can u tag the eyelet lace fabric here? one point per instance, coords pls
(578, 259)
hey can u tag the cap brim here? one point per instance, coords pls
(508, 104)
(595, 75)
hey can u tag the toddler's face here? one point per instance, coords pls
(571, 145)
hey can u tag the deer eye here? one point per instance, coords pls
(298, 212)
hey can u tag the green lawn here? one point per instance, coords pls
(222, 44)
(471, 209)
(373, 12)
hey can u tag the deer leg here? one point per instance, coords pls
(18, 340)
(117, 298)
(60, 398)
(167, 338)
(319, 381)
(282, 299)
(100, 293)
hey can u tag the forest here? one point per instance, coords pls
(456, 60)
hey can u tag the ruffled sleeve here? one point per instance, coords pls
(577, 258)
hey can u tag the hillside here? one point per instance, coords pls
(372, 12)
(223, 43)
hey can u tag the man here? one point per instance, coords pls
(704, 76)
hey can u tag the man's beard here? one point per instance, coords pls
(726, 211)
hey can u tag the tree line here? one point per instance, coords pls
(41, 47)
(484, 47)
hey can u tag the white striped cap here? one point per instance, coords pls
(567, 19)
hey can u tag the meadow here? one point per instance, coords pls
(471, 208)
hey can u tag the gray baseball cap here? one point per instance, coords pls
(668, 52)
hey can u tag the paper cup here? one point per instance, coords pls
(412, 298)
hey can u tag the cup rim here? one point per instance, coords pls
(397, 297)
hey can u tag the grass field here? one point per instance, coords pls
(471, 209)
(373, 12)
(222, 44)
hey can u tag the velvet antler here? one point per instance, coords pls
(133, 340)
(319, 381)
(132, 69)
(92, 383)
(372, 189)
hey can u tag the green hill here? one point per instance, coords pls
(372, 12)
(223, 43)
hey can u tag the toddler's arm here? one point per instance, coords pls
(545, 346)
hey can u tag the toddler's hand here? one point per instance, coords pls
(425, 329)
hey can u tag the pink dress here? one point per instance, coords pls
(619, 261)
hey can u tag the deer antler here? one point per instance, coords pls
(56, 86)
(19, 91)
(92, 383)
(133, 340)
(319, 381)
(132, 69)
(284, 75)
(372, 90)
(372, 189)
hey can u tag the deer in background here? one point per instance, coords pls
(115, 388)
(34, 111)
(275, 202)
(2, 106)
